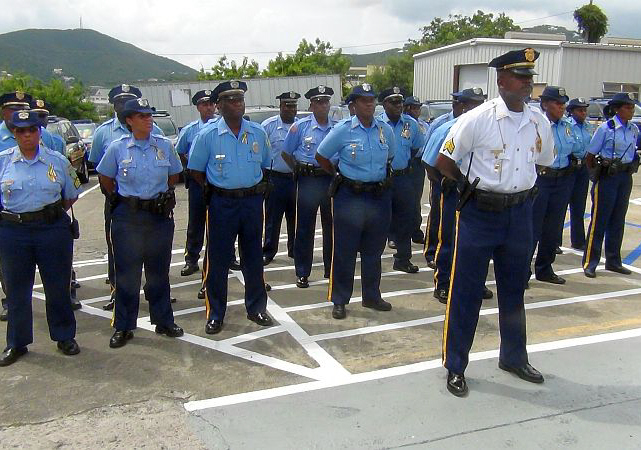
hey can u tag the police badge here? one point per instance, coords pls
(255, 147)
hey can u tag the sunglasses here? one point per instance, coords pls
(22, 130)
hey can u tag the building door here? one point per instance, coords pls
(471, 75)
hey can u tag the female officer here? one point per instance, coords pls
(362, 205)
(612, 158)
(139, 172)
(38, 185)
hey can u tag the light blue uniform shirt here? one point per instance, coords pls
(362, 152)
(566, 143)
(407, 137)
(187, 136)
(108, 132)
(231, 162)
(53, 141)
(433, 146)
(304, 137)
(618, 143)
(140, 168)
(584, 132)
(30, 185)
(276, 131)
(7, 140)
(424, 128)
(440, 120)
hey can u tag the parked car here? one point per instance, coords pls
(86, 128)
(432, 109)
(259, 114)
(165, 122)
(76, 150)
(597, 111)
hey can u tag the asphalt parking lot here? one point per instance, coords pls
(373, 380)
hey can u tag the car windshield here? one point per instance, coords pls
(166, 125)
(86, 130)
(262, 115)
(438, 109)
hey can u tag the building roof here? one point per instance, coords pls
(529, 43)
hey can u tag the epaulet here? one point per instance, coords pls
(270, 120)
(160, 137)
(55, 154)
(124, 137)
(105, 123)
(8, 151)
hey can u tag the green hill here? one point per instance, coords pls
(89, 56)
(377, 59)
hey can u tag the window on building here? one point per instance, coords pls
(611, 88)
(537, 90)
(180, 97)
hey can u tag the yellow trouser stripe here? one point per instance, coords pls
(595, 204)
(331, 270)
(440, 237)
(449, 295)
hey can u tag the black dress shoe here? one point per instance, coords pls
(235, 265)
(339, 312)
(290, 253)
(551, 278)
(11, 355)
(267, 260)
(590, 273)
(441, 295)
(112, 302)
(392, 245)
(558, 251)
(378, 305)
(201, 293)
(69, 347)
(268, 287)
(189, 269)
(170, 331)
(527, 372)
(213, 326)
(326, 275)
(75, 284)
(456, 384)
(418, 239)
(261, 319)
(75, 304)
(4, 314)
(107, 281)
(487, 294)
(120, 338)
(302, 282)
(173, 299)
(431, 265)
(405, 266)
(618, 269)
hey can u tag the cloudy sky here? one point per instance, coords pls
(197, 32)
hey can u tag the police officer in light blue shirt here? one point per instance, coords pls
(228, 157)
(577, 112)
(37, 186)
(282, 197)
(206, 105)
(612, 155)
(312, 182)
(554, 184)
(139, 172)
(362, 206)
(52, 141)
(409, 140)
(10, 102)
(412, 107)
(104, 135)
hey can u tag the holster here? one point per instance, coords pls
(333, 186)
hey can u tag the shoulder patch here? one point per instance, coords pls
(74, 176)
(449, 146)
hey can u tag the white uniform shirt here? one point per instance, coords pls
(506, 146)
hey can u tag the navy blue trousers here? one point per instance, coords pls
(578, 196)
(281, 201)
(196, 222)
(418, 182)
(311, 193)
(480, 236)
(227, 219)
(610, 197)
(443, 256)
(141, 240)
(361, 224)
(50, 247)
(431, 232)
(548, 214)
(402, 224)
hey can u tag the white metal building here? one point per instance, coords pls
(176, 97)
(584, 70)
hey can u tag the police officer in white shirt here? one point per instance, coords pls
(499, 144)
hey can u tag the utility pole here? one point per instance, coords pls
(81, 22)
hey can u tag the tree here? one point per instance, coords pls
(591, 22)
(68, 102)
(440, 32)
(228, 70)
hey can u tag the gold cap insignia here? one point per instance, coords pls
(40, 103)
(529, 54)
(20, 95)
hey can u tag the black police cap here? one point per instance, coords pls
(361, 90)
(124, 91)
(40, 106)
(26, 119)
(319, 92)
(578, 102)
(391, 92)
(622, 98)
(203, 96)
(137, 105)
(288, 97)
(412, 100)
(15, 99)
(520, 62)
(554, 93)
(474, 94)
(227, 88)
